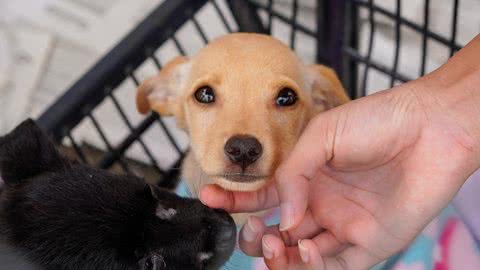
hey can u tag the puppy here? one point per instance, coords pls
(244, 100)
(63, 215)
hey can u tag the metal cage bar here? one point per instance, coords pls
(371, 21)
(222, 16)
(416, 27)
(200, 30)
(270, 16)
(293, 31)
(112, 156)
(453, 37)
(78, 150)
(179, 46)
(283, 18)
(398, 37)
(118, 157)
(127, 122)
(426, 15)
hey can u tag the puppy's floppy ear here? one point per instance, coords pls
(25, 152)
(159, 92)
(327, 90)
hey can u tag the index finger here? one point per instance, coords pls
(239, 202)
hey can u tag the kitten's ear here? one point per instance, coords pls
(26, 152)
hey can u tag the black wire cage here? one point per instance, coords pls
(343, 34)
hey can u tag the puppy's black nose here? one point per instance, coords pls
(243, 150)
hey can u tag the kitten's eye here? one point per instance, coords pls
(286, 97)
(205, 94)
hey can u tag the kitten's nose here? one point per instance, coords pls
(227, 229)
(243, 150)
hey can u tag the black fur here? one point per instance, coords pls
(64, 215)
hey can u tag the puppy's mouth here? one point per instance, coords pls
(242, 177)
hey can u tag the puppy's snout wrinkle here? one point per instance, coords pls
(243, 150)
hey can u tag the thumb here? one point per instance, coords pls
(312, 151)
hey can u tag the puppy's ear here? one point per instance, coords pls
(159, 93)
(26, 152)
(327, 90)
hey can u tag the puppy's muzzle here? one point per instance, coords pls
(243, 150)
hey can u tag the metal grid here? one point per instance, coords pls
(447, 39)
(340, 27)
(339, 33)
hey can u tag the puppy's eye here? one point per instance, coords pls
(205, 94)
(286, 97)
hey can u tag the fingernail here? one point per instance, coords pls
(249, 232)
(286, 216)
(267, 251)
(303, 252)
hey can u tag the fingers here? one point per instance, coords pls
(311, 152)
(251, 234)
(234, 202)
(293, 193)
(254, 229)
(274, 253)
(352, 258)
(277, 256)
(308, 256)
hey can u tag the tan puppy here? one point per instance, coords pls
(244, 100)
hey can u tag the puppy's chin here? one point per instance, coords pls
(239, 186)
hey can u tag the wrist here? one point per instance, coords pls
(450, 98)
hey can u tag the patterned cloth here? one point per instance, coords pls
(446, 243)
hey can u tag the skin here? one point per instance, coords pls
(366, 177)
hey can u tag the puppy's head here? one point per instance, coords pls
(244, 99)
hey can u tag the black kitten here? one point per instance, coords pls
(63, 215)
